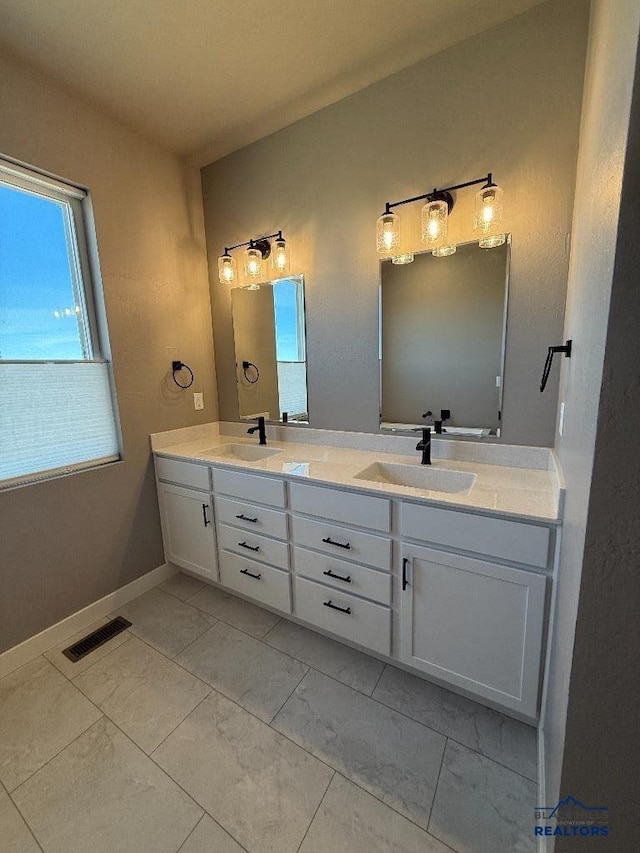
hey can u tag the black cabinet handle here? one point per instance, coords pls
(246, 518)
(333, 606)
(250, 574)
(249, 547)
(330, 541)
(405, 582)
(205, 507)
(330, 574)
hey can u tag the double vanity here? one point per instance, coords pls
(445, 569)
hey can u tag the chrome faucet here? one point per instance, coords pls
(425, 446)
(262, 432)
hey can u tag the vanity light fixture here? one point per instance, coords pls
(256, 252)
(435, 213)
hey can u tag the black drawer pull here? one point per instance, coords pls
(330, 574)
(250, 574)
(330, 541)
(335, 607)
(206, 520)
(246, 518)
(249, 547)
(405, 582)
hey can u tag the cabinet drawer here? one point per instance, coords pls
(364, 623)
(494, 537)
(346, 577)
(270, 586)
(342, 542)
(256, 519)
(254, 546)
(251, 487)
(186, 473)
(361, 510)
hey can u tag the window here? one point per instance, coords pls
(57, 410)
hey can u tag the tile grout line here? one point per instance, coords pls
(22, 817)
(317, 758)
(435, 787)
(73, 740)
(303, 676)
(306, 832)
(375, 686)
(370, 696)
(192, 831)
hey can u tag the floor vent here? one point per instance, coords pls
(96, 638)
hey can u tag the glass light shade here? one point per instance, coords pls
(444, 251)
(280, 258)
(387, 234)
(435, 223)
(405, 258)
(253, 264)
(227, 269)
(487, 218)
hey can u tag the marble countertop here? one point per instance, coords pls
(531, 493)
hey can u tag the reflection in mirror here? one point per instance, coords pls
(269, 338)
(443, 325)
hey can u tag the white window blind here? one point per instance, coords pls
(57, 407)
(54, 418)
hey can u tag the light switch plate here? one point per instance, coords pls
(198, 401)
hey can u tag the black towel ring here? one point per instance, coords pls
(176, 366)
(246, 366)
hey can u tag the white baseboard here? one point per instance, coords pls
(543, 842)
(58, 633)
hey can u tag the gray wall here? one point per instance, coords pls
(601, 514)
(442, 325)
(67, 542)
(508, 101)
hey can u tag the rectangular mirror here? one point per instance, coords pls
(270, 348)
(442, 340)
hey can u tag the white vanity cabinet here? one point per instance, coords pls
(186, 512)
(342, 574)
(253, 538)
(469, 622)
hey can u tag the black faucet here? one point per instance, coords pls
(262, 433)
(425, 446)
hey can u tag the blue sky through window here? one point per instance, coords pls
(285, 299)
(39, 316)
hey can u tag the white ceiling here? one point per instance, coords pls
(205, 77)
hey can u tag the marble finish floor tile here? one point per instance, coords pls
(209, 837)
(329, 656)
(70, 668)
(481, 807)
(254, 675)
(263, 789)
(211, 599)
(502, 738)
(103, 794)
(40, 713)
(142, 691)
(394, 758)
(181, 585)
(351, 821)
(15, 835)
(165, 622)
(249, 618)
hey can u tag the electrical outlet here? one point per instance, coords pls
(198, 402)
(561, 419)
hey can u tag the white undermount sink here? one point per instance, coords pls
(245, 452)
(419, 477)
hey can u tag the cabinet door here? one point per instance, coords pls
(475, 625)
(188, 529)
